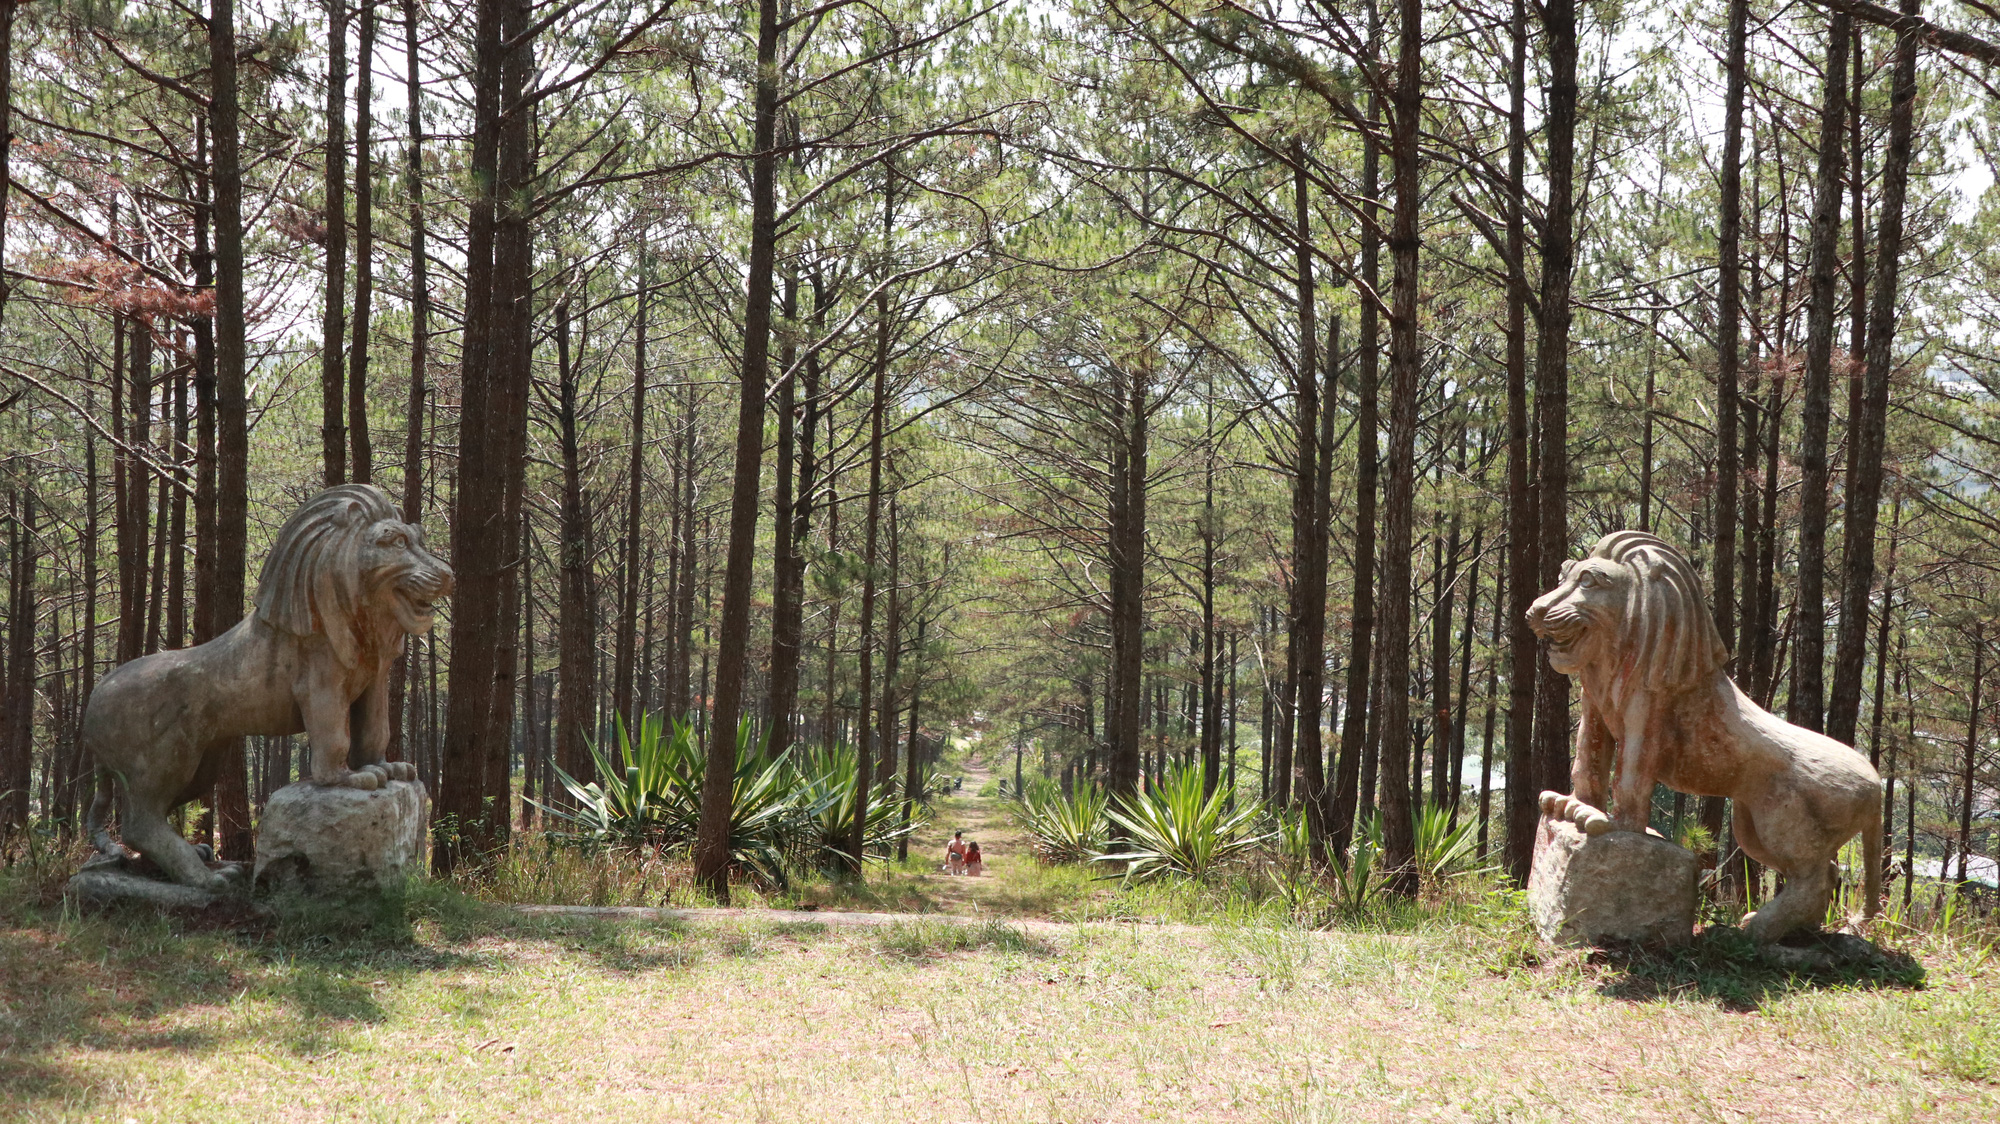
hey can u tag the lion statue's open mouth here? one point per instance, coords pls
(415, 600)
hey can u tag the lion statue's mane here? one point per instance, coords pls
(1628, 621)
(345, 582)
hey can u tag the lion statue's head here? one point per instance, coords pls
(1633, 605)
(345, 556)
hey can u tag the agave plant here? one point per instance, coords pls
(1173, 829)
(655, 799)
(1353, 874)
(827, 790)
(1063, 829)
(1442, 849)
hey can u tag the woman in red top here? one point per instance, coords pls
(975, 864)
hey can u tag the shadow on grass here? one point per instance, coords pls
(129, 981)
(1722, 965)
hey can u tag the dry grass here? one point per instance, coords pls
(457, 1009)
(474, 1013)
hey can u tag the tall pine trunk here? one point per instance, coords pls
(625, 667)
(1806, 705)
(1867, 429)
(1308, 528)
(1552, 727)
(711, 857)
(1729, 325)
(333, 313)
(473, 799)
(1405, 362)
(363, 462)
(420, 330)
(232, 414)
(1128, 581)
(576, 639)
(1523, 512)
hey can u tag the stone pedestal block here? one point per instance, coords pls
(1619, 886)
(342, 839)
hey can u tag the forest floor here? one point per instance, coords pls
(473, 1011)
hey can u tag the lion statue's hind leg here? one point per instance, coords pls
(145, 826)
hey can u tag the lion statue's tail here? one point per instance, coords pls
(1871, 866)
(100, 814)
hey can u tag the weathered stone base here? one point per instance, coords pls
(342, 840)
(1618, 886)
(109, 880)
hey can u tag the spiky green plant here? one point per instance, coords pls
(655, 799)
(1443, 849)
(1063, 829)
(1353, 873)
(1174, 830)
(826, 786)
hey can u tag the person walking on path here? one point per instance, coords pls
(975, 864)
(954, 854)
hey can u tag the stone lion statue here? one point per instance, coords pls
(345, 583)
(1630, 625)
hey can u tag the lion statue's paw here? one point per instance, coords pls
(1590, 820)
(401, 770)
(367, 780)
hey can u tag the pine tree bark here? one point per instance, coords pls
(333, 314)
(1348, 786)
(1967, 775)
(19, 732)
(1552, 726)
(1523, 512)
(892, 650)
(1211, 716)
(473, 799)
(1867, 430)
(1806, 704)
(420, 329)
(577, 641)
(1127, 582)
(363, 462)
(913, 773)
(420, 295)
(711, 858)
(1405, 360)
(1308, 616)
(878, 402)
(232, 414)
(7, 8)
(787, 557)
(1729, 324)
(627, 641)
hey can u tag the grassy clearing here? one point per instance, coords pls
(455, 1008)
(468, 1011)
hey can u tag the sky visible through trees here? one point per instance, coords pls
(1145, 383)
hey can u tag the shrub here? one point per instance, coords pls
(1442, 849)
(791, 809)
(1063, 829)
(826, 785)
(1173, 829)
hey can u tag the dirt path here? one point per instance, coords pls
(984, 820)
(1014, 889)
